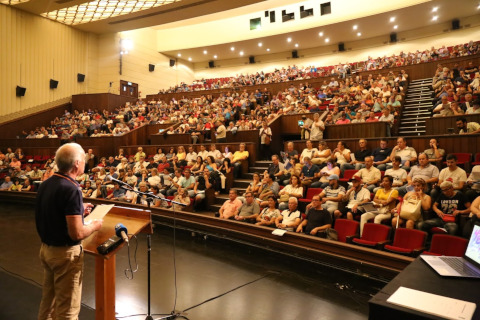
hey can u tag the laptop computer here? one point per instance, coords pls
(466, 267)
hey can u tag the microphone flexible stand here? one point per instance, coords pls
(149, 199)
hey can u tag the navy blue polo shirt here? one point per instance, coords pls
(58, 196)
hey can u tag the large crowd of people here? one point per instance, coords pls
(342, 69)
(388, 177)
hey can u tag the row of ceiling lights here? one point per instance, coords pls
(320, 34)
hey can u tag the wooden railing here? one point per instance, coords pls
(444, 125)
(100, 101)
(355, 258)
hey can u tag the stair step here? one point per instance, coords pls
(421, 80)
(412, 126)
(257, 169)
(412, 121)
(425, 106)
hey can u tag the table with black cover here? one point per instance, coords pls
(420, 276)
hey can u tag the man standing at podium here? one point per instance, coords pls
(59, 218)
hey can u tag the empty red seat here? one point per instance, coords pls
(346, 229)
(374, 236)
(348, 174)
(476, 160)
(408, 242)
(447, 245)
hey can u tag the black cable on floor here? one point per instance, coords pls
(227, 292)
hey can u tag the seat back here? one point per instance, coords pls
(347, 174)
(477, 157)
(463, 157)
(448, 245)
(375, 232)
(409, 238)
(312, 192)
(346, 228)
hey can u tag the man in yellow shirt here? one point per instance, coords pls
(238, 157)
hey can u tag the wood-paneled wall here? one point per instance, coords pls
(440, 125)
(100, 101)
(35, 50)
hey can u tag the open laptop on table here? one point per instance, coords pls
(466, 267)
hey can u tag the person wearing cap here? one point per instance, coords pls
(355, 196)
(370, 175)
(448, 206)
(332, 195)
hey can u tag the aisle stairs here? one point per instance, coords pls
(417, 108)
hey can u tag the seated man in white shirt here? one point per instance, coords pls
(289, 219)
(456, 175)
(370, 175)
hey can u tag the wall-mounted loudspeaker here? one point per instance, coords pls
(455, 24)
(53, 84)
(151, 67)
(393, 37)
(251, 59)
(211, 64)
(341, 47)
(172, 62)
(20, 91)
(294, 54)
(80, 77)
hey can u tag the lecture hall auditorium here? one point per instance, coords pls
(275, 123)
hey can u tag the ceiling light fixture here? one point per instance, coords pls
(359, 34)
(327, 40)
(296, 45)
(320, 33)
(241, 53)
(289, 39)
(232, 48)
(260, 44)
(392, 19)
(435, 9)
(395, 27)
(268, 49)
(435, 18)
(355, 27)
(215, 57)
(179, 55)
(205, 52)
(189, 59)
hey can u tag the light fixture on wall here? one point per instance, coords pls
(125, 46)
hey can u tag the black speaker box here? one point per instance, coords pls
(53, 84)
(393, 37)
(455, 24)
(295, 54)
(272, 16)
(211, 64)
(151, 67)
(80, 77)
(341, 47)
(20, 91)
(251, 59)
(172, 62)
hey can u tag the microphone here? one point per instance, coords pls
(117, 181)
(121, 231)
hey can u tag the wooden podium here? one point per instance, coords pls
(136, 221)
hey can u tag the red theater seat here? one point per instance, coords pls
(374, 236)
(447, 245)
(408, 242)
(346, 229)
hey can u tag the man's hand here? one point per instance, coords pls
(299, 228)
(87, 209)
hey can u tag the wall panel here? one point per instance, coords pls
(35, 50)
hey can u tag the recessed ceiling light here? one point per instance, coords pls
(392, 19)
(179, 55)
(435, 18)
(478, 7)
(241, 53)
(205, 52)
(355, 27)
(320, 33)
(268, 49)
(232, 48)
(215, 57)
(296, 45)
(435, 9)
(260, 44)
(189, 59)
(327, 40)
(359, 34)
(289, 39)
(395, 27)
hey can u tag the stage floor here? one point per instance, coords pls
(269, 285)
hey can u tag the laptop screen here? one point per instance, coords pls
(473, 249)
